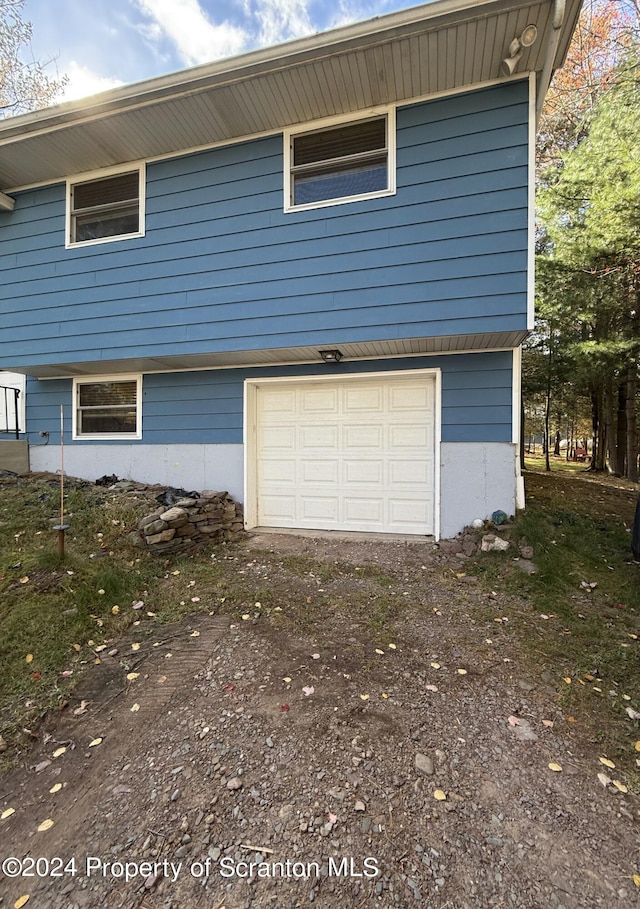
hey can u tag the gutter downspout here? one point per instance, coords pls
(559, 10)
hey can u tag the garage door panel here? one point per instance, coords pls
(320, 471)
(318, 400)
(279, 470)
(363, 437)
(278, 437)
(319, 508)
(410, 473)
(362, 473)
(352, 454)
(363, 400)
(358, 510)
(319, 437)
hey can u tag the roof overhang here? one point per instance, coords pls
(286, 356)
(444, 46)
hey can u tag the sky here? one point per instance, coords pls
(100, 44)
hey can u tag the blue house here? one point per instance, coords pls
(302, 274)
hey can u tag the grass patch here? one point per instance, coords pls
(589, 589)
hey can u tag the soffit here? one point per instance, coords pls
(440, 47)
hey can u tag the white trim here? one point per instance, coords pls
(250, 429)
(531, 203)
(140, 166)
(110, 436)
(7, 202)
(388, 112)
(250, 137)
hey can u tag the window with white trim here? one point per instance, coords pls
(340, 163)
(109, 206)
(107, 407)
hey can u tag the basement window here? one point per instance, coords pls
(108, 206)
(340, 163)
(107, 408)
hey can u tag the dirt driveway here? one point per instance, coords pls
(364, 760)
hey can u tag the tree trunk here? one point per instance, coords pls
(621, 431)
(609, 422)
(632, 437)
(598, 450)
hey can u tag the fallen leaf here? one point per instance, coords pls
(392, 647)
(308, 690)
(229, 687)
(25, 579)
(284, 708)
(56, 788)
(555, 767)
(431, 687)
(67, 673)
(567, 680)
(439, 795)
(135, 646)
(637, 746)
(548, 723)
(177, 572)
(364, 697)
(100, 648)
(315, 656)
(115, 610)
(462, 671)
(384, 695)
(286, 679)
(571, 719)
(96, 742)
(195, 599)
(195, 634)
(636, 880)
(620, 786)
(245, 617)
(101, 592)
(135, 708)
(45, 825)
(607, 763)
(29, 658)
(604, 779)
(332, 818)
(58, 752)
(36, 675)
(7, 813)
(21, 901)
(138, 604)
(632, 713)
(81, 709)
(76, 646)
(435, 665)
(381, 652)
(132, 676)
(514, 721)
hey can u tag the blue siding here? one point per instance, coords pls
(222, 267)
(190, 407)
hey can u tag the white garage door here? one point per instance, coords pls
(355, 454)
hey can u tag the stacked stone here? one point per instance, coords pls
(213, 517)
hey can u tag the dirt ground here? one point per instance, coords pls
(236, 765)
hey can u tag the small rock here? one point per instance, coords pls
(526, 566)
(424, 764)
(234, 783)
(492, 543)
(360, 806)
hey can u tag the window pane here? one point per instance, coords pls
(94, 421)
(354, 139)
(106, 224)
(107, 393)
(354, 181)
(119, 188)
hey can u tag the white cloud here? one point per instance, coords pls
(197, 39)
(83, 82)
(282, 20)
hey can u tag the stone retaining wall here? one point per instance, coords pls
(212, 517)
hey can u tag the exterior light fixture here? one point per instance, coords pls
(330, 356)
(526, 39)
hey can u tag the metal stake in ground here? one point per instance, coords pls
(61, 527)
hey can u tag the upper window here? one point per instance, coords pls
(108, 408)
(109, 206)
(340, 163)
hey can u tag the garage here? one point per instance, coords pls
(352, 454)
